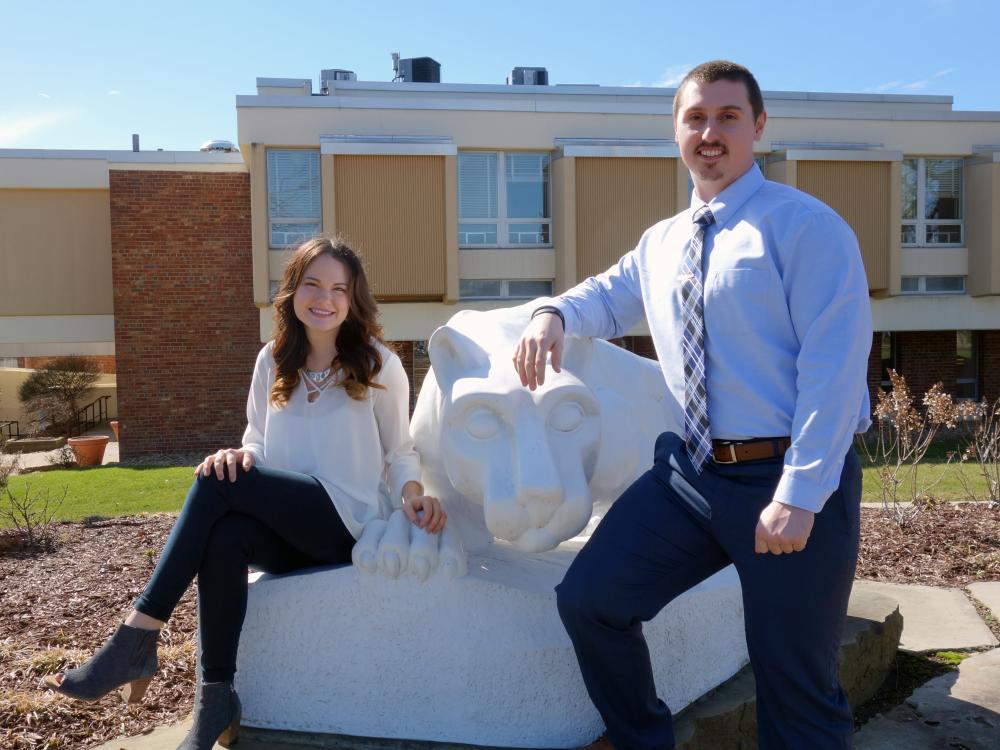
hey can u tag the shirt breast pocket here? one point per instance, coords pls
(741, 299)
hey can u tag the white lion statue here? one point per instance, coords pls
(533, 468)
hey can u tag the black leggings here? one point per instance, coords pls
(278, 521)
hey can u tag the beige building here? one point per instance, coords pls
(482, 195)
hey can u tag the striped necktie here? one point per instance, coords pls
(697, 435)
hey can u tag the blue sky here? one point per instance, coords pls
(88, 75)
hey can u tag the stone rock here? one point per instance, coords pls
(727, 718)
(959, 710)
(936, 619)
(481, 659)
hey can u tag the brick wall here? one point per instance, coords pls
(186, 328)
(925, 358)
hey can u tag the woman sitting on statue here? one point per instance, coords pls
(327, 423)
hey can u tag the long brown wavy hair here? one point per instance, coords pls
(357, 356)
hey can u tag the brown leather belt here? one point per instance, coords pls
(736, 451)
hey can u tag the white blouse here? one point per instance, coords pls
(360, 451)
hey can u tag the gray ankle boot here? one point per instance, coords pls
(216, 717)
(128, 658)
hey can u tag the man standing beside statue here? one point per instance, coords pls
(757, 303)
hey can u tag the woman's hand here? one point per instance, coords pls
(223, 461)
(432, 519)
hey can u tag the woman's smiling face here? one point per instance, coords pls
(323, 297)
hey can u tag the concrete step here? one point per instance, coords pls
(727, 718)
(937, 619)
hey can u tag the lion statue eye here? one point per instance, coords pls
(566, 417)
(483, 424)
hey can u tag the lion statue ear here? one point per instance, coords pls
(619, 451)
(454, 355)
(577, 355)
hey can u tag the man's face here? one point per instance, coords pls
(716, 130)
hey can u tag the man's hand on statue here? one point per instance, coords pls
(783, 528)
(224, 461)
(425, 512)
(544, 334)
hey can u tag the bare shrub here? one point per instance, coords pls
(32, 514)
(902, 435)
(982, 448)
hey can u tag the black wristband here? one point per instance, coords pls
(550, 309)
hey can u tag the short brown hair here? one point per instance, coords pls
(724, 70)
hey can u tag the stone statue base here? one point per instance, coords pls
(481, 659)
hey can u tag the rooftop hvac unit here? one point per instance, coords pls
(528, 77)
(330, 75)
(420, 70)
(337, 74)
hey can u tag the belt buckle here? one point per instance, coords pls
(732, 455)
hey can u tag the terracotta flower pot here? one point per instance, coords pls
(114, 427)
(89, 451)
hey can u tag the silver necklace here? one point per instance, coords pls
(318, 376)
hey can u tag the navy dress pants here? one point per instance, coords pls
(672, 529)
(278, 521)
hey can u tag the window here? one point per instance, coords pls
(932, 285)
(504, 199)
(932, 202)
(293, 197)
(890, 358)
(966, 365)
(8, 361)
(503, 288)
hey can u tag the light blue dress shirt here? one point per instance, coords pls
(788, 323)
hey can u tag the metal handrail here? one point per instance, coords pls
(91, 415)
(10, 427)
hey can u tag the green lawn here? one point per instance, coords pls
(110, 490)
(118, 491)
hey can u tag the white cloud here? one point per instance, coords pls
(674, 75)
(915, 85)
(114, 92)
(44, 96)
(670, 78)
(883, 87)
(945, 72)
(14, 130)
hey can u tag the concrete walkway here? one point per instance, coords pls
(44, 459)
(960, 709)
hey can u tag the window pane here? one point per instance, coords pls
(944, 283)
(910, 284)
(473, 288)
(966, 364)
(477, 234)
(528, 234)
(527, 186)
(477, 186)
(944, 234)
(909, 192)
(529, 289)
(909, 234)
(888, 360)
(293, 185)
(944, 189)
(283, 235)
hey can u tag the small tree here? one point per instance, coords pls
(56, 389)
(902, 436)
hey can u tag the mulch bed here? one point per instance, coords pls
(56, 608)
